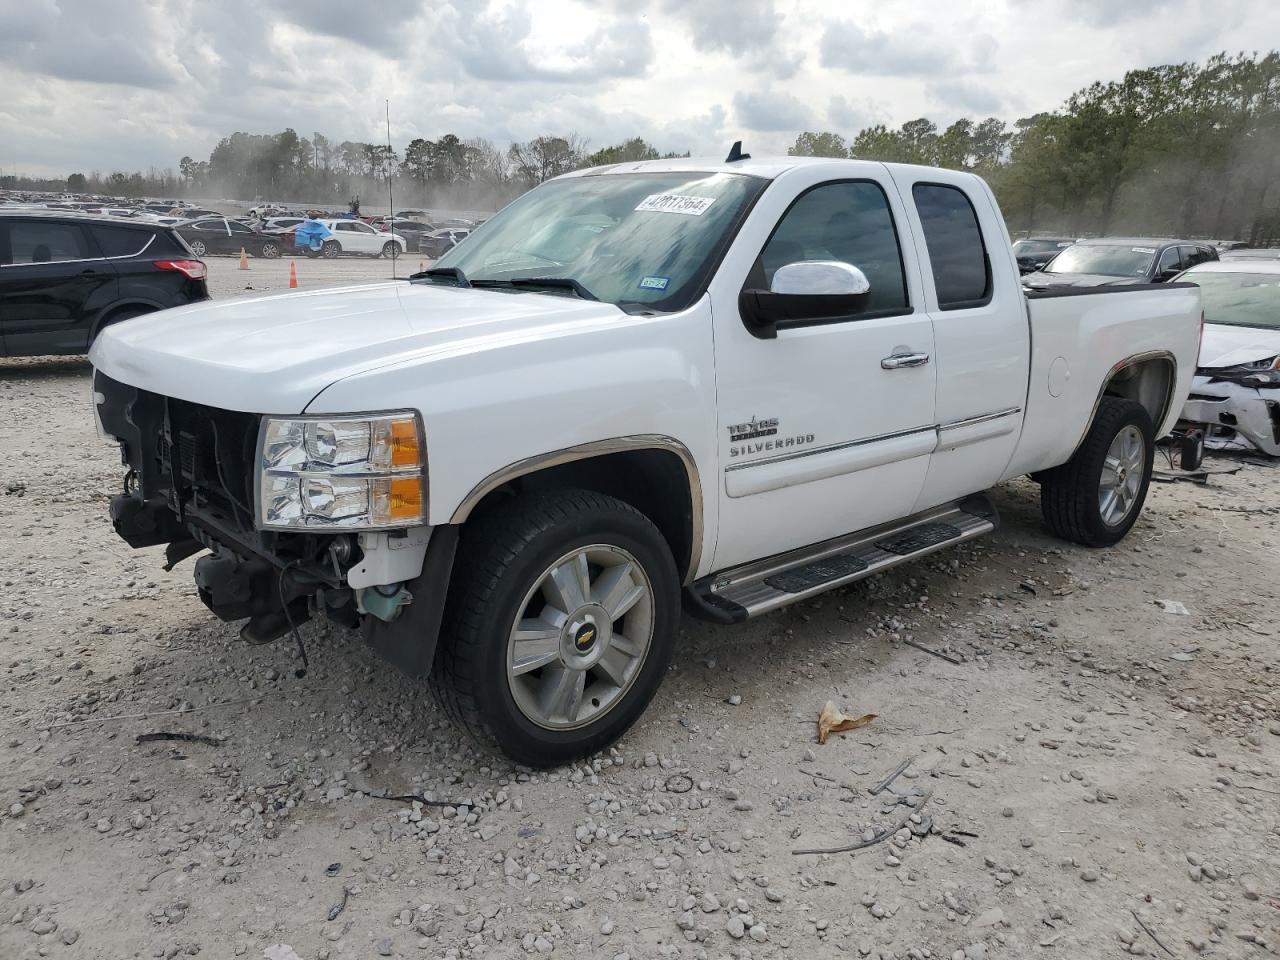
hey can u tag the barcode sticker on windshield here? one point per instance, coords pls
(676, 203)
(1143, 249)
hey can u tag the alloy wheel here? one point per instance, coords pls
(581, 637)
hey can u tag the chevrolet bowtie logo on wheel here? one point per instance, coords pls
(585, 637)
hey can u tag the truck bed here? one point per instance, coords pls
(1076, 334)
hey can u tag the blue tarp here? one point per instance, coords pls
(311, 233)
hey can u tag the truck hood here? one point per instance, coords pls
(1228, 346)
(275, 353)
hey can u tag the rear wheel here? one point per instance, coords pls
(198, 247)
(391, 250)
(559, 626)
(330, 249)
(1095, 497)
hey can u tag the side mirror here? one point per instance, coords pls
(1168, 274)
(805, 293)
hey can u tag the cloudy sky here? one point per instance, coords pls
(127, 84)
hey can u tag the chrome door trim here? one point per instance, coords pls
(981, 418)
(829, 448)
(51, 263)
(596, 448)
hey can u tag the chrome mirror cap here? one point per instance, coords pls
(824, 277)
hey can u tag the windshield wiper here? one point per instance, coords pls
(449, 273)
(554, 283)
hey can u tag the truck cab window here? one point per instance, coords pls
(849, 221)
(961, 270)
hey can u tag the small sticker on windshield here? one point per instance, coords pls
(1143, 249)
(654, 283)
(676, 203)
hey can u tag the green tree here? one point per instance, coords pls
(629, 151)
(76, 183)
(823, 144)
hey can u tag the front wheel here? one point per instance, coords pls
(1095, 497)
(391, 250)
(330, 249)
(270, 250)
(198, 247)
(559, 626)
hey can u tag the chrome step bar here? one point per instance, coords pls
(761, 586)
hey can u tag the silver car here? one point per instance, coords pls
(1236, 391)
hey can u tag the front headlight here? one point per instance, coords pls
(342, 472)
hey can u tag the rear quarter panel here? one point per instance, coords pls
(1078, 341)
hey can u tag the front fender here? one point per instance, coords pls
(493, 408)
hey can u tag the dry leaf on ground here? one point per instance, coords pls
(832, 720)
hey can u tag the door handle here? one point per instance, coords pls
(900, 360)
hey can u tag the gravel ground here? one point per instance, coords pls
(226, 279)
(1088, 769)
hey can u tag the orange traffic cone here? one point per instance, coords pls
(244, 259)
(293, 275)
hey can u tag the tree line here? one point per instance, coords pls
(450, 172)
(1185, 149)
(1188, 149)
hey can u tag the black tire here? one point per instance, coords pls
(270, 250)
(391, 250)
(312, 254)
(330, 249)
(500, 558)
(1069, 494)
(198, 247)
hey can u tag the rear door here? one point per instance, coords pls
(52, 282)
(351, 237)
(982, 342)
(242, 237)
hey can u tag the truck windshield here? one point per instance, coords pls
(1239, 299)
(643, 241)
(1104, 259)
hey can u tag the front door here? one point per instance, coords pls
(355, 237)
(828, 428)
(49, 271)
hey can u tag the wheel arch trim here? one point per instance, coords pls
(117, 306)
(1165, 404)
(587, 451)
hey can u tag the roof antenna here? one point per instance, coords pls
(736, 154)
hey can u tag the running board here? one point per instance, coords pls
(732, 596)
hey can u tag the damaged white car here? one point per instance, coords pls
(1236, 392)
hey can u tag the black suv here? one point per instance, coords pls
(63, 277)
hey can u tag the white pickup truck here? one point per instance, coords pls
(739, 383)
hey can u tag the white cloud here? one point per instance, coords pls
(125, 86)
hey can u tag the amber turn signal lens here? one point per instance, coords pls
(404, 444)
(404, 501)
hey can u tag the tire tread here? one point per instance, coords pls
(490, 545)
(1068, 496)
